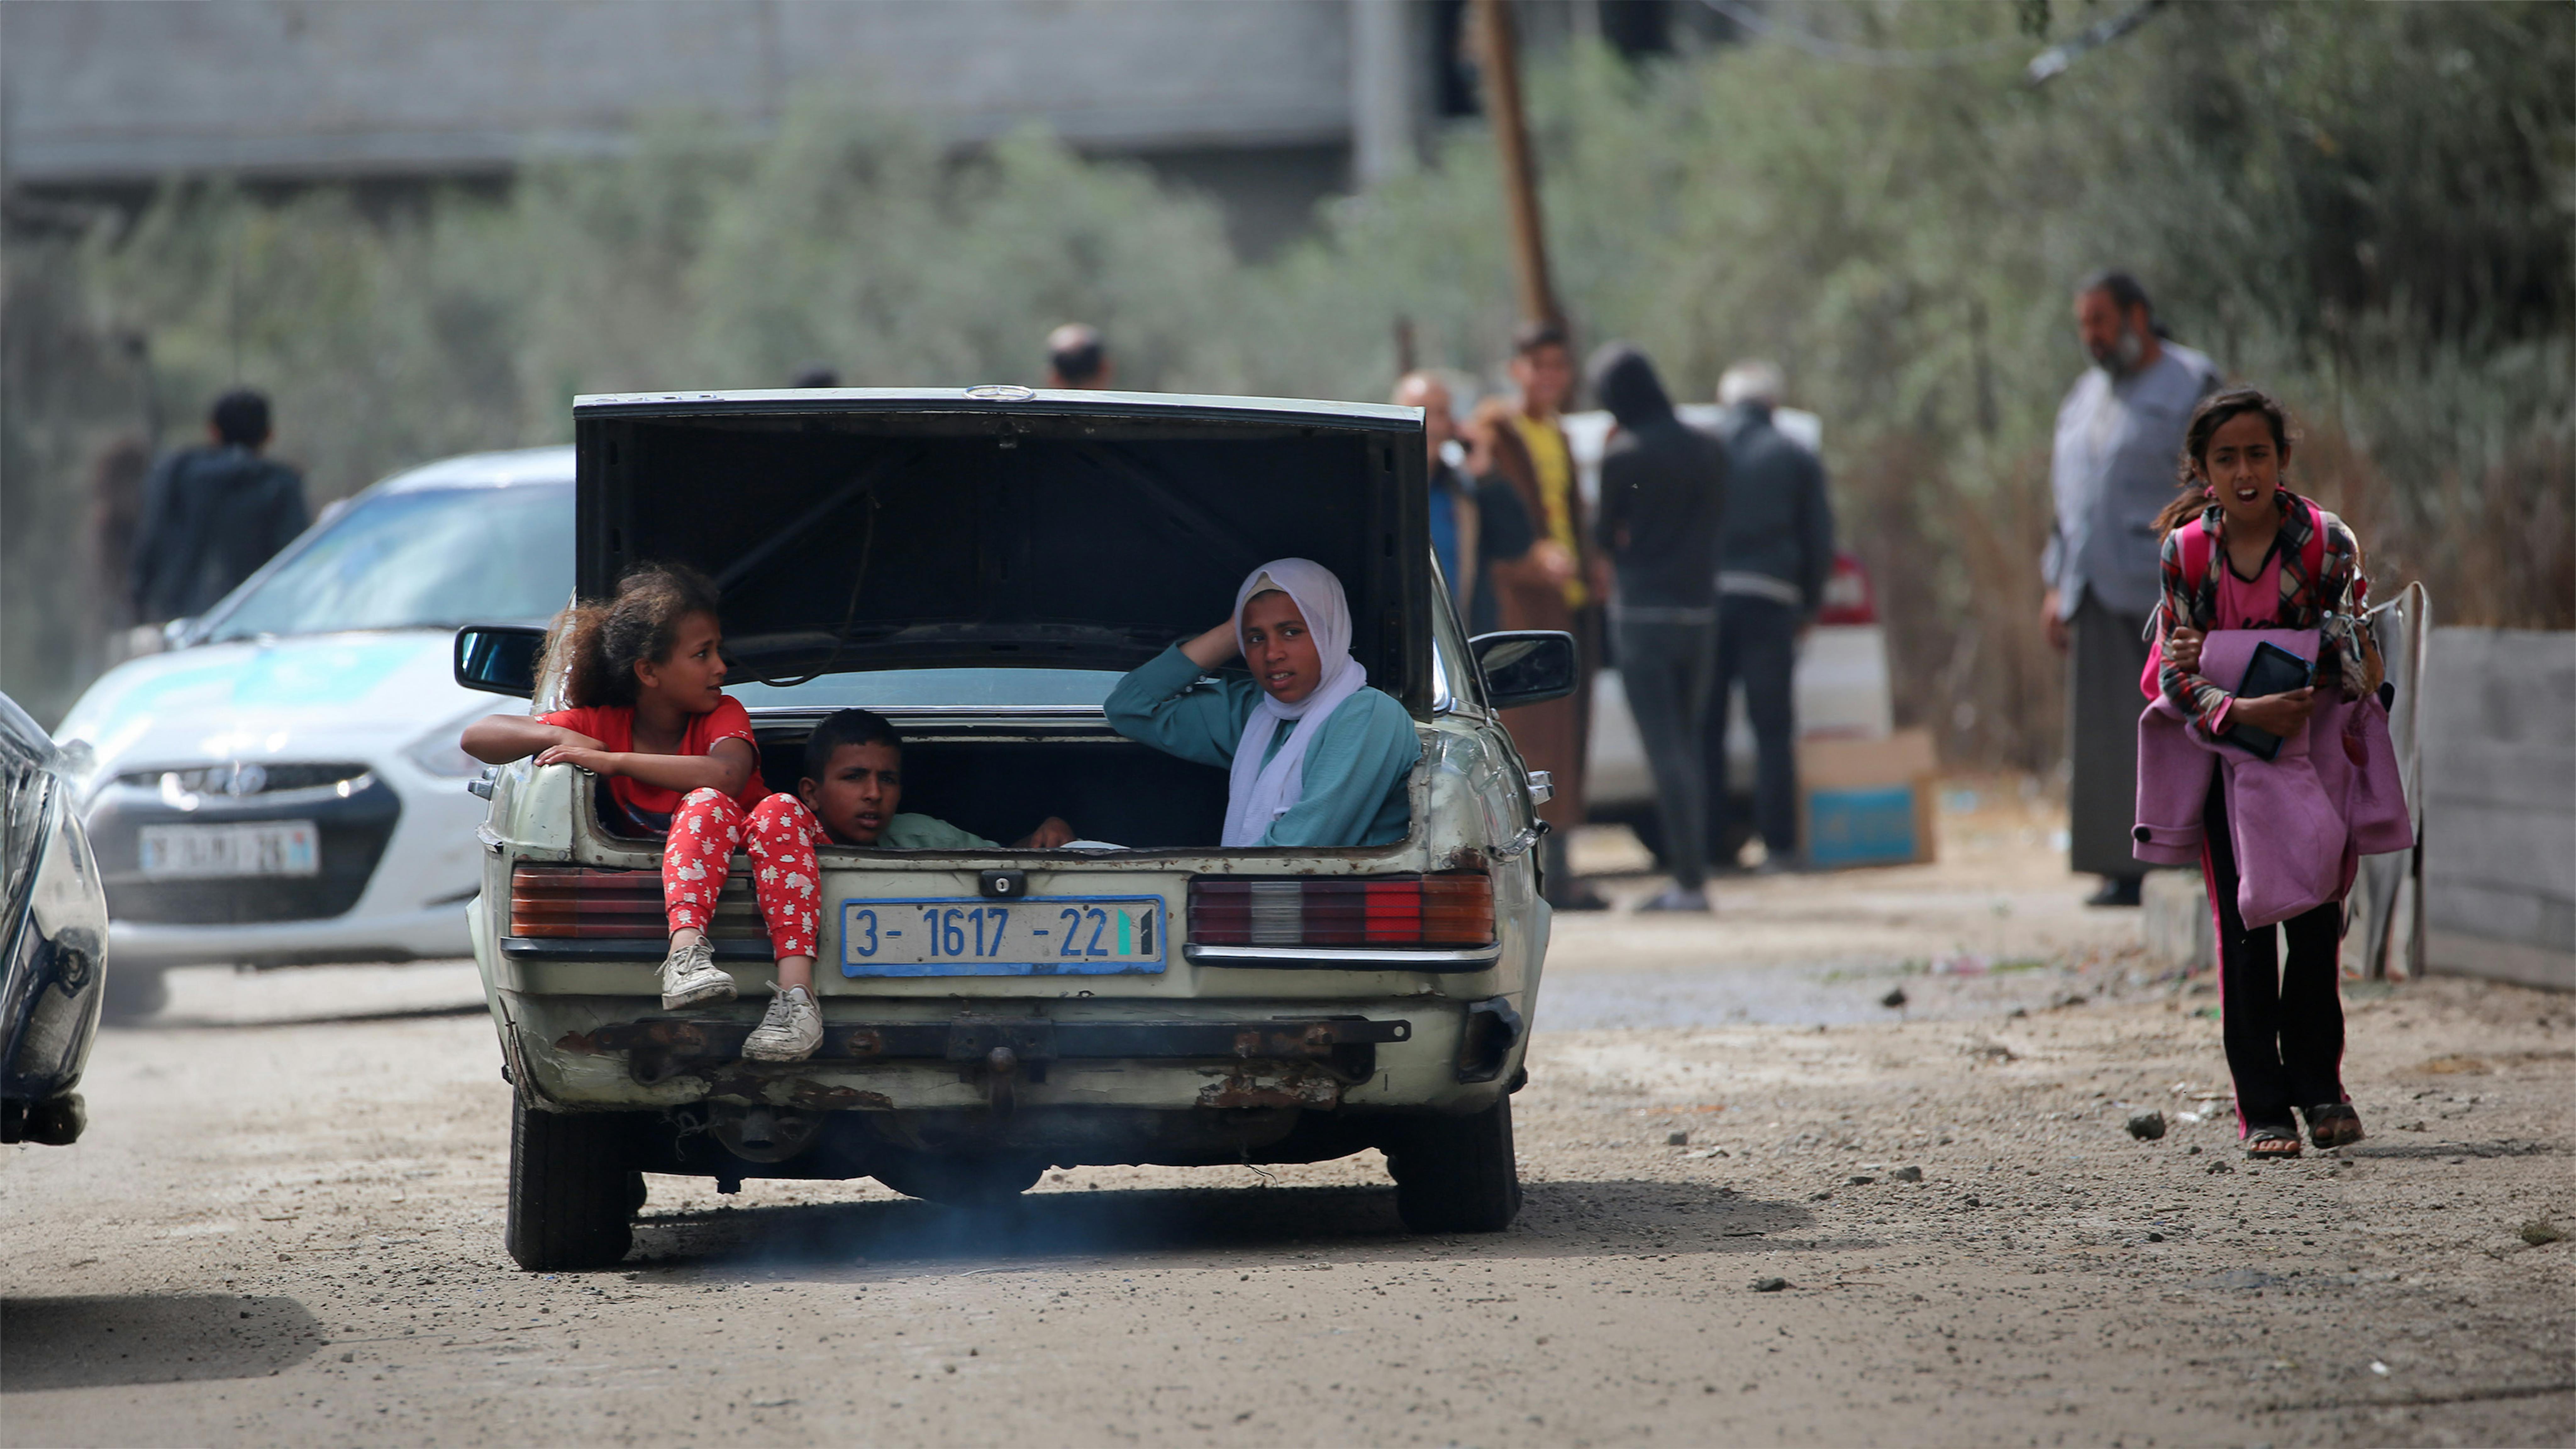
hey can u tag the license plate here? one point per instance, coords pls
(275, 847)
(1034, 936)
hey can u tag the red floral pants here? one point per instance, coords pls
(779, 834)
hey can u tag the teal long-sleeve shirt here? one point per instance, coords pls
(1354, 773)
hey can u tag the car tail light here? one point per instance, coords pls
(1849, 599)
(578, 901)
(1373, 910)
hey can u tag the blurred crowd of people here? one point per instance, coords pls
(1701, 558)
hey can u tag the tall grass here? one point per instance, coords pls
(2367, 208)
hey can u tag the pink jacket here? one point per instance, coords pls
(2301, 821)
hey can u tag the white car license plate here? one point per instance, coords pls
(1033, 936)
(270, 847)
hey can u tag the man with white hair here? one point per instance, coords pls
(1773, 560)
(1078, 358)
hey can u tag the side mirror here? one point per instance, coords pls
(1526, 666)
(499, 658)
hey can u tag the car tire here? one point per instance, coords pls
(958, 1182)
(571, 1191)
(1457, 1174)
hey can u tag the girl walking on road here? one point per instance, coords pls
(2243, 553)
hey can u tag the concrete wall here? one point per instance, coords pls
(282, 88)
(2500, 805)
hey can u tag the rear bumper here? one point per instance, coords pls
(1031, 1041)
(888, 1055)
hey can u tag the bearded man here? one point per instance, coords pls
(2119, 444)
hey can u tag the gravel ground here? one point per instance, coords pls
(284, 1228)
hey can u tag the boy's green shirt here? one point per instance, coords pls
(923, 832)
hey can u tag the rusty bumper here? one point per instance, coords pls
(680, 1043)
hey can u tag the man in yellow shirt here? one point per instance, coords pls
(1542, 368)
(1557, 585)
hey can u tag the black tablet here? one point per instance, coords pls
(2272, 670)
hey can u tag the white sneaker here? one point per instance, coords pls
(689, 976)
(790, 1032)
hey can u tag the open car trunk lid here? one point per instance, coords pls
(858, 529)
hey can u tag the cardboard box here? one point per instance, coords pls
(1866, 802)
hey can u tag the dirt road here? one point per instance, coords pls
(284, 1228)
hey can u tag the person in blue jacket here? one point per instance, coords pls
(1315, 756)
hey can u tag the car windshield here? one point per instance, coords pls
(925, 688)
(421, 558)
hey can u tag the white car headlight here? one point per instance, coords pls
(437, 752)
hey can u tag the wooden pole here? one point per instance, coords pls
(1502, 78)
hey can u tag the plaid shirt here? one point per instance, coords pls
(2332, 602)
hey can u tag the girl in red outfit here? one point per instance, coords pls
(644, 674)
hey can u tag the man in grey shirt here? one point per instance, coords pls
(2119, 442)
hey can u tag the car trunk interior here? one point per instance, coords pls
(857, 532)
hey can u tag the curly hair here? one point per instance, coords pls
(599, 644)
(2214, 412)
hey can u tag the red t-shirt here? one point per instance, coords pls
(613, 725)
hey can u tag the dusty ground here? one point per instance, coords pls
(284, 1228)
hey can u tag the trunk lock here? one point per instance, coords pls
(1003, 885)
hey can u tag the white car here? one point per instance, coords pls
(283, 785)
(1840, 685)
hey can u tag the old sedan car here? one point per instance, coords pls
(980, 566)
(53, 937)
(283, 786)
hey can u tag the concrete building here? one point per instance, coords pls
(1268, 104)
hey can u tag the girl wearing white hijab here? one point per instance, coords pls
(1315, 757)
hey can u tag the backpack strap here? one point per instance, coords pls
(2195, 571)
(2197, 546)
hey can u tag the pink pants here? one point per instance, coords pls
(780, 834)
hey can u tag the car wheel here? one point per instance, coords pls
(958, 1182)
(1457, 1174)
(571, 1192)
(133, 993)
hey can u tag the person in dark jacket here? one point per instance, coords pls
(212, 515)
(1777, 553)
(1663, 497)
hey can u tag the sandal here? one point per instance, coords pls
(2334, 1124)
(2267, 1143)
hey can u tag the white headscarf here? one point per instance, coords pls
(1259, 794)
